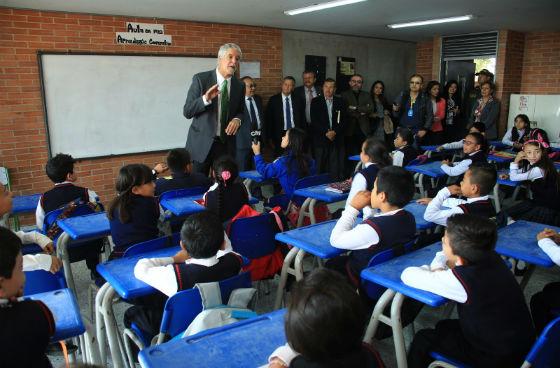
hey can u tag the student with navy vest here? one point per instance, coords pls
(519, 133)
(477, 184)
(182, 175)
(392, 226)
(404, 151)
(27, 325)
(476, 127)
(494, 328)
(474, 148)
(134, 213)
(205, 256)
(324, 326)
(60, 169)
(374, 156)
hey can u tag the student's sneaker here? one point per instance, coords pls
(55, 349)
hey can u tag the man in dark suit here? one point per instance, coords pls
(328, 119)
(305, 94)
(215, 103)
(282, 113)
(252, 122)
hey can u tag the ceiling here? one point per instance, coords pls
(363, 19)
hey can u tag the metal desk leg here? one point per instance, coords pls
(398, 336)
(100, 324)
(62, 253)
(113, 336)
(421, 185)
(312, 219)
(377, 315)
(358, 166)
(496, 195)
(298, 264)
(284, 276)
(247, 183)
(528, 273)
(303, 211)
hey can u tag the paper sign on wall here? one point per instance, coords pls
(250, 68)
(143, 34)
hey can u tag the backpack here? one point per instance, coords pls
(71, 209)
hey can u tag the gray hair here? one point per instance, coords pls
(227, 46)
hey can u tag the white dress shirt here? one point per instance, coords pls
(398, 157)
(507, 137)
(35, 261)
(459, 168)
(551, 249)
(516, 174)
(308, 97)
(437, 214)
(358, 184)
(453, 145)
(291, 122)
(346, 236)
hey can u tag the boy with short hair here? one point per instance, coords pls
(477, 184)
(392, 190)
(404, 151)
(180, 163)
(60, 169)
(494, 328)
(27, 325)
(205, 256)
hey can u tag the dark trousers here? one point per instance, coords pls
(448, 340)
(217, 150)
(545, 305)
(244, 159)
(330, 159)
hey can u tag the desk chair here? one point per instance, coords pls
(151, 245)
(544, 352)
(41, 281)
(179, 311)
(175, 221)
(309, 181)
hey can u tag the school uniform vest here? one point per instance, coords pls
(366, 357)
(545, 193)
(483, 208)
(393, 230)
(479, 156)
(141, 226)
(61, 195)
(495, 318)
(234, 196)
(187, 275)
(182, 180)
(409, 154)
(369, 173)
(517, 138)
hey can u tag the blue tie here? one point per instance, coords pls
(253, 114)
(288, 114)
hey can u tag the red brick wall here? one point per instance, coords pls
(23, 146)
(424, 58)
(541, 63)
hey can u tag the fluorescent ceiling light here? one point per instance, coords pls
(315, 7)
(430, 21)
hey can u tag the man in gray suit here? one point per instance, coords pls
(215, 103)
(360, 106)
(252, 126)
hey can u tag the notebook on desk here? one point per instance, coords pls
(340, 187)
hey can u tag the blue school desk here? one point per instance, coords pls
(500, 159)
(184, 206)
(88, 227)
(388, 274)
(243, 344)
(356, 158)
(519, 241)
(121, 281)
(431, 169)
(507, 182)
(25, 203)
(252, 176)
(498, 145)
(417, 210)
(312, 195)
(66, 313)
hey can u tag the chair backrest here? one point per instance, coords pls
(253, 237)
(309, 181)
(185, 192)
(544, 352)
(80, 210)
(148, 246)
(42, 281)
(374, 291)
(182, 308)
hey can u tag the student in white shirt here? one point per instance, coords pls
(404, 151)
(494, 328)
(477, 127)
(477, 184)
(474, 148)
(519, 133)
(545, 302)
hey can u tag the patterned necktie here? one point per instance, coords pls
(308, 105)
(288, 114)
(329, 110)
(224, 109)
(253, 115)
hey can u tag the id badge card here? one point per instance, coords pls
(409, 112)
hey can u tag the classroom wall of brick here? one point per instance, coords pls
(541, 63)
(424, 58)
(23, 143)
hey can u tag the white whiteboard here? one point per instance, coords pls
(100, 105)
(542, 109)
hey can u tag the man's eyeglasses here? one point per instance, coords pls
(468, 143)
(356, 81)
(411, 82)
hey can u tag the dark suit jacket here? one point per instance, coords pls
(205, 118)
(320, 120)
(299, 92)
(243, 136)
(359, 117)
(274, 117)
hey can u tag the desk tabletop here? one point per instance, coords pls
(314, 239)
(501, 156)
(25, 203)
(507, 182)
(417, 211)
(499, 145)
(239, 345)
(183, 206)
(431, 169)
(354, 158)
(253, 175)
(320, 193)
(519, 241)
(388, 274)
(66, 313)
(429, 148)
(95, 225)
(120, 273)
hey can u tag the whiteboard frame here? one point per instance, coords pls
(41, 53)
